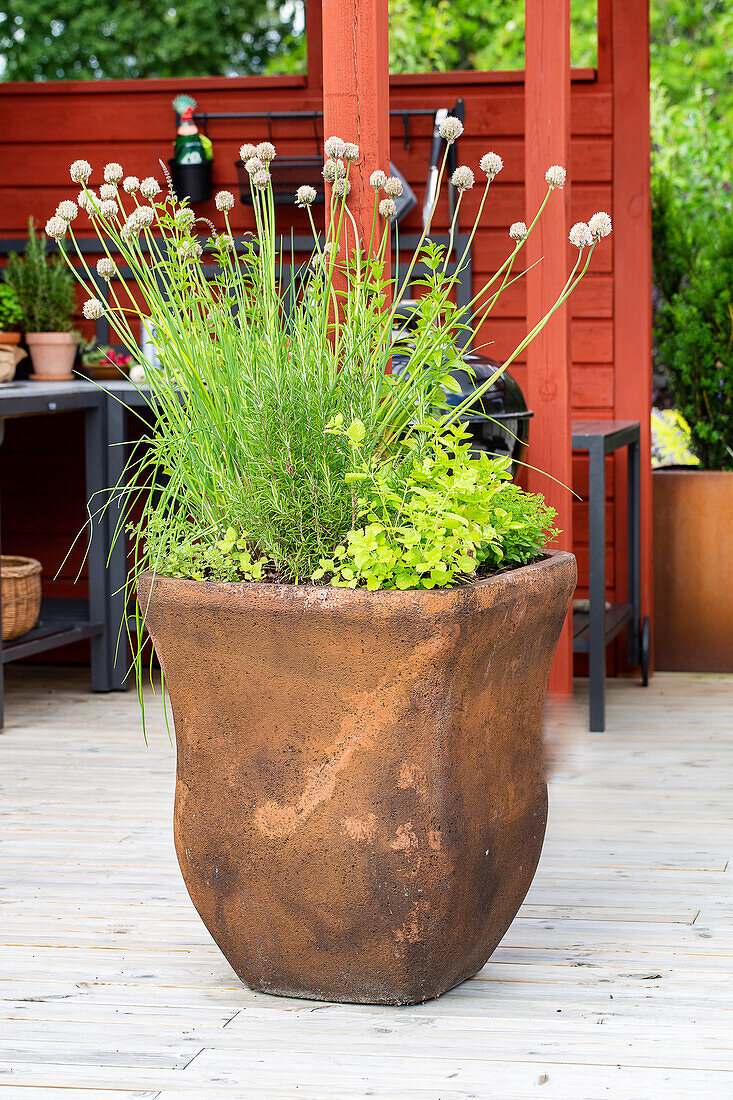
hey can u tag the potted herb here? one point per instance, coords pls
(11, 315)
(45, 289)
(103, 362)
(693, 506)
(355, 616)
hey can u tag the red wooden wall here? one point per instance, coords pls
(45, 127)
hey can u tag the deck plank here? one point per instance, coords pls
(613, 980)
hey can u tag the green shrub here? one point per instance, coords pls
(44, 286)
(11, 313)
(695, 342)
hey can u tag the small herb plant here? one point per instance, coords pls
(11, 313)
(283, 448)
(44, 287)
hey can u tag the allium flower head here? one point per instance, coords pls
(334, 147)
(463, 178)
(80, 171)
(305, 195)
(109, 208)
(378, 179)
(333, 170)
(254, 164)
(184, 217)
(518, 231)
(580, 235)
(93, 309)
(224, 242)
(56, 228)
(67, 210)
(84, 201)
(393, 187)
(555, 175)
(131, 184)
(224, 200)
(106, 268)
(190, 250)
(113, 172)
(107, 191)
(491, 164)
(144, 216)
(341, 188)
(246, 152)
(600, 224)
(451, 129)
(150, 187)
(266, 152)
(260, 179)
(351, 151)
(387, 208)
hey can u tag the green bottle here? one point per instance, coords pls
(189, 148)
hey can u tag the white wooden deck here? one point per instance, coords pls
(614, 981)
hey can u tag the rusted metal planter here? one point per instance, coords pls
(360, 798)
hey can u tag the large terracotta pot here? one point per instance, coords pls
(360, 797)
(52, 355)
(693, 570)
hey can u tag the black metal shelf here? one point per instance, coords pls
(61, 622)
(616, 618)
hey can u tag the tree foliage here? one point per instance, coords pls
(83, 40)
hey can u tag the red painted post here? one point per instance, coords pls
(632, 263)
(314, 44)
(547, 141)
(356, 91)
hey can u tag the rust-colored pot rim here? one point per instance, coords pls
(329, 596)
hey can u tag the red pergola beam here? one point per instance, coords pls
(356, 91)
(547, 141)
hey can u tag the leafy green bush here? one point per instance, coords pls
(11, 313)
(695, 341)
(431, 519)
(44, 286)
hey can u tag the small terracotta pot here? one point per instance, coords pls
(52, 355)
(360, 797)
(11, 338)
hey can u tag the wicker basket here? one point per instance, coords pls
(21, 595)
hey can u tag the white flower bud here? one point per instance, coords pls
(190, 250)
(150, 187)
(450, 129)
(260, 179)
(491, 164)
(555, 175)
(224, 200)
(131, 184)
(106, 268)
(341, 188)
(333, 169)
(600, 225)
(67, 210)
(580, 235)
(113, 172)
(463, 178)
(351, 151)
(93, 309)
(387, 208)
(56, 227)
(109, 208)
(184, 217)
(254, 164)
(85, 200)
(266, 152)
(335, 148)
(144, 216)
(518, 231)
(224, 242)
(246, 152)
(80, 171)
(107, 191)
(378, 179)
(305, 195)
(393, 187)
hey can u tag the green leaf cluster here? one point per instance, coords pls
(182, 550)
(432, 519)
(44, 286)
(11, 313)
(694, 332)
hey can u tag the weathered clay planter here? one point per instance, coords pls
(360, 798)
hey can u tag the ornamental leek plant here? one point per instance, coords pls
(283, 449)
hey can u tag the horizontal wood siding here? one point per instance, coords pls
(46, 127)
